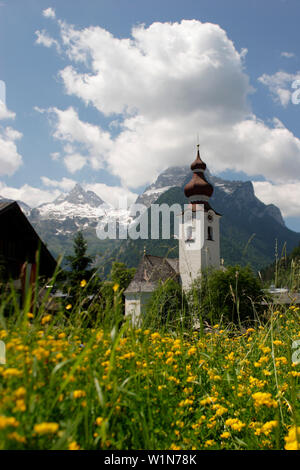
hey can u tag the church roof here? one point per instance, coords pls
(151, 270)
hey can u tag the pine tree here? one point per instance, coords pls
(80, 261)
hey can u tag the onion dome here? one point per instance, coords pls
(198, 188)
(198, 164)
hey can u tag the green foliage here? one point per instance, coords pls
(65, 386)
(167, 307)
(121, 275)
(79, 261)
(285, 271)
(2, 269)
(233, 295)
(112, 300)
(80, 272)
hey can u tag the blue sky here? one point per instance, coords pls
(155, 75)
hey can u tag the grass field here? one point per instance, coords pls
(66, 386)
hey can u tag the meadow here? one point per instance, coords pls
(69, 386)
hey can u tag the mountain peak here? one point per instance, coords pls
(79, 196)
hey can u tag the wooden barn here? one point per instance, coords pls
(19, 243)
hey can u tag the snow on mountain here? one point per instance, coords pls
(80, 209)
(173, 176)
(78, 203)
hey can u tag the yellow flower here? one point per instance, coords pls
(20, 405)
(69, 306)
(209, 443)
(225, 435)
(155, 335)
(79, 394)
(263, 398)
(16, 437)
(11, 372)
(292, 440)
(268, 426)
(74, 446)
(46, 428)
(116, 287)
(192, 351)
(230, 356)
(7, 421)
(208, 401)
(83, 283)
(30, 315)
(235, 424)
(20, 392)
(46, 319)
(99, 421)
(174, 447)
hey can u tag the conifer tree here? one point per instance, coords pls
(80, 261)
(80, 273)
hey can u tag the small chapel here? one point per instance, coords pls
(199, 246)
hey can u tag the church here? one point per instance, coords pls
(199, 246)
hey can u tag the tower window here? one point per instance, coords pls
(189, 234)
(209, 233)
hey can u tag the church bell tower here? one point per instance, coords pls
(199, 228)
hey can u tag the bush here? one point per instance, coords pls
(233, 295)
(167, 307)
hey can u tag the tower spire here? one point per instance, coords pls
(198, 189)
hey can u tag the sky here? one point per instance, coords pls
(109, 93)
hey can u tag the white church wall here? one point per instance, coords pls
(200, 252)
(135, 306)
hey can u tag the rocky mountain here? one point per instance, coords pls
(178, 176)
(249, 228)
(77, 204)
(174, 176)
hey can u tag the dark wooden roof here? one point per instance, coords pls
(19, 242)
(151, 270)
(4, 205)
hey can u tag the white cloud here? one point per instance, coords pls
(280, 85)
(28, 194)
(10, 159)
(55, 156)
(49, 13)
(45, 40)
(83, 142)
(285, 196)
(164, 85)
(65, 184)
(5, 113)
(158, 70)
(74, 162)
(287, 55)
